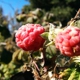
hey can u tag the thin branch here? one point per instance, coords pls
(77, 14)
(8, 4)
(2, 43)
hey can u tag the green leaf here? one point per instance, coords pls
(20, 55)
(50, 43)
(36, 53)
(77, 23)
(76, 59)
(72, 75)
(51, 51)
(45, 35)
(79, 77)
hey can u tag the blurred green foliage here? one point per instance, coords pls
(63, 10)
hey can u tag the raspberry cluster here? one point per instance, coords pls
(28, 37)
(68, 41)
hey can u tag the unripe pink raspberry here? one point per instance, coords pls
(68, 41)
(28, 37)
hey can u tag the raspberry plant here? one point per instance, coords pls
(52, 51)
(49, 52)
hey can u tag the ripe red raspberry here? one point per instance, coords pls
(68, 41)
(28, 37)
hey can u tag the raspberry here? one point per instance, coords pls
(28, 37)
(68, 41)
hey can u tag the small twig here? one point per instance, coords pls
(7, 4)
(2, 44)
(34, 62)
(77, 17)
(77, 14)
(36, 65)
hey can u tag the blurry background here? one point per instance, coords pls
(14, 13)
(9, 7)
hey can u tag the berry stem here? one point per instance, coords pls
(34, 62)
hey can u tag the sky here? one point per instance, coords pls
(10, 6)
